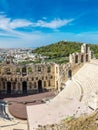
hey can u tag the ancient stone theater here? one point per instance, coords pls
(36, 78)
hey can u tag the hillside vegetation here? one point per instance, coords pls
(59, 52)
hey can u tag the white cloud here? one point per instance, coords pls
(54, 24)
(20, 23)
(2, 13)
(9, 24)
(4, 22)
(44, 18)
(11, 37)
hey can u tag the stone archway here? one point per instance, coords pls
(24, 87)
(76, 59)
(70, 74)
(24, 71)
(40, 89)
(86, 57)
(82, 58)
(8, 87)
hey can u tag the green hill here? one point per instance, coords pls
(59, 52)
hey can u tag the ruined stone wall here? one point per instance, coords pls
(76, 61)
(29, 79)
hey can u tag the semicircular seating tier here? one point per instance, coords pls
(72, 100)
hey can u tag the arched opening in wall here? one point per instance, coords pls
(86, 48)
(48, 69)
(82, 58)
(57, 85)
(24, 71)
(76, 59)
(30, 85)
(18, 71)
(39, 69)
(29, 70)
(40, 89)
(8, 71)
(8, 87)
(24, 87)
(86, 57)
(70, 74)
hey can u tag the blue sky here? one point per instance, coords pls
(33, 23)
